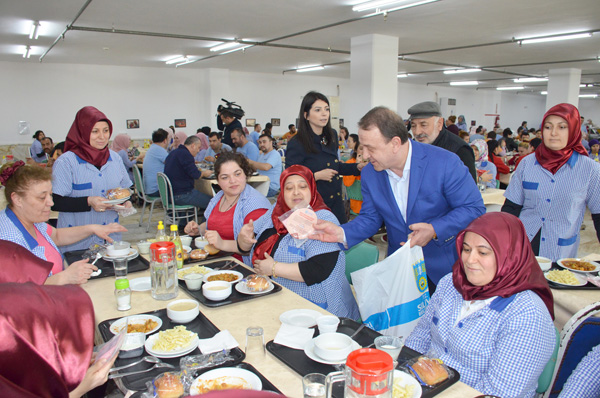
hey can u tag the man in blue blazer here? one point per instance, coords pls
(421, 192)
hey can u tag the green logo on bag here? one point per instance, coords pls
(420, 275)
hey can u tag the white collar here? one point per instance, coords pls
(406, 169)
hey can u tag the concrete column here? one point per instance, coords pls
(373, 73)
(216, 86)
(563, 86)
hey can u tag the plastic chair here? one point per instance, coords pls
(546, 376)
(580, 334)
(359, 257)
(139, 186)
(167, 198)
(354, 192)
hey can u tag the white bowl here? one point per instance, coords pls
(118, 249)
(217, 290)
(328, 323)
(200, 242)
(133, 345)
(144, 247)
(183, 311)
(333, 346)
(186, 240)
(545, 263)
(193, 281)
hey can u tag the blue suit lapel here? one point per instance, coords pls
(417, 168)
(391, 199)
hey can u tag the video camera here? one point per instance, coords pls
(231, 108)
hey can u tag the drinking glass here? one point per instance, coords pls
(390, 344)
(120, 265)
(313, 385)
(255, 343)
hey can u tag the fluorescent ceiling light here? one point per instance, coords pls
(455, 71)
(224, 46)
(510, 88)
(181, 58)
(34, 32)
(544, 92)
(465, 83)
(530, 79)
(555, 38)
(588, 95)
(586, 85)
(310, 68)
(27, 52)
(235, 49)
(401, 75)
(377, 5)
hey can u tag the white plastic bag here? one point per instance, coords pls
(393, 294)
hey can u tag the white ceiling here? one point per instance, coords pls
(421, 30)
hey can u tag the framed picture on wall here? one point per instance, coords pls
(133, 123)
(275, 122)
(250, 122)
(180, 123)
(341, 122)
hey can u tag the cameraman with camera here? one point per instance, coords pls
(228, 119)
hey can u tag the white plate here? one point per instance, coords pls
(133, 319)
(250, 378)
(592, 263)
(186, 248)
(170, 354)
(408, 380)
(309, 350)
(133, 253)
(242, 288)
(580, 278)
(238, 274)
(142, 284)
(183, 278)
(303, 318)
(117, 201)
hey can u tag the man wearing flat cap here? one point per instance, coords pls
(427, 126)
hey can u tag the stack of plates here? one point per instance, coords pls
(179, 352)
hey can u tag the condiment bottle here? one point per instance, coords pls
(178, 245)
(123, 294)
(160, 234)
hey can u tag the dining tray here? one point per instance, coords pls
(134, 265)
(301, 364)
(201, 325)
(235, 297)
(210, 256)
(588, 286)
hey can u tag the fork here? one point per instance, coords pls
(158, 365)
(228, 265)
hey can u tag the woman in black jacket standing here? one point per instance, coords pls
(316, 147)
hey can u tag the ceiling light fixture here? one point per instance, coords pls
(510, 88)
(181, 58)
(465, 83)
(401, 75)
(530, 79)
(310, 68)
(555, 38)
(235, 49)
(378, 4)
(27, 52)
(34, 32)
(456, 71)
(544, 92)
(588, 95)
(224, 46)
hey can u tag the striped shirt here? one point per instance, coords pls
(500, 349)
(74, 177)
(250, 200)
(334, 293)
(584, 382)
(555, 203)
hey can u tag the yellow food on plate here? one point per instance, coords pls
(173, 339)
(196, 269)
(578, 265)
(221, 383)
(564, 277)
(402, 391)
(142, 327)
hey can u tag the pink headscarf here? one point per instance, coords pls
(181, 136)
(203, 141)
(121, 141)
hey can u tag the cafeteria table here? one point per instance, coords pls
(235, 318)
(207, 185)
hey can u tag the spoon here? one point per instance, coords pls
(149, 358)
(158, 365)
(98, 271)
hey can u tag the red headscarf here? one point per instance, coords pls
(46, 340)
(78, 139)
(316, 203)
(20, 265)
(553, 160)
(517, 269)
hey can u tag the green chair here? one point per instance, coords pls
(360, 256)
(354, 192)
(139, 186)
(167, 198)
(546, 376)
